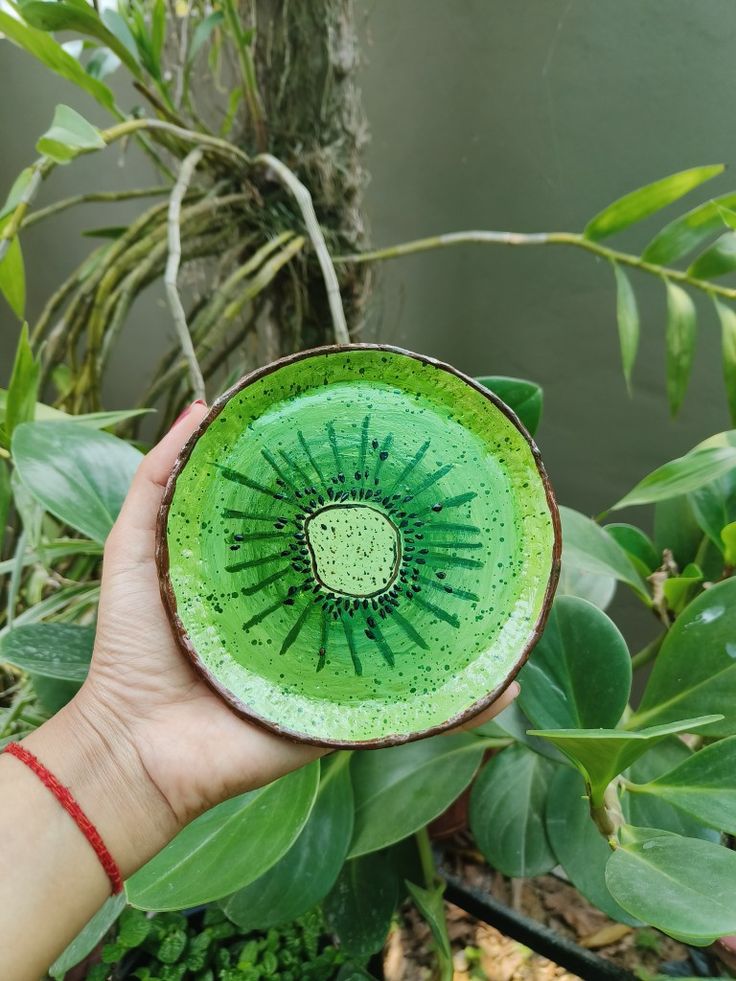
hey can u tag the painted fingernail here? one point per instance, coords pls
(514, 689)
(186, 412)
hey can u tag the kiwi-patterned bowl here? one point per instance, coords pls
(358, 546)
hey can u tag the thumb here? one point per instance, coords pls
(132, 537)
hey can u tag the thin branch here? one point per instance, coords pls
(172, 269)
(538, 238)
(139, 192)
(304, 200)
(40, 169)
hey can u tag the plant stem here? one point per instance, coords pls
(574, 239)
(72, 202)
(648, 653)
(23, 698)
(426, 857)
(41, 168)
(304, 200)
(172, 270)
(248, 73)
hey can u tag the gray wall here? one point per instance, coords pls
(527, 115)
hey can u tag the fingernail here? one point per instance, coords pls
(187, 411)
(514, 689)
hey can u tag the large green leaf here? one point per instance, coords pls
(53, 650)
(714, 504)
(50, 53)
(695, 670)
(228, 846)
(53, 693)
(638, 546)
(20, 404)
(399, 790)
(577, 843)
(601, 754)
(587, 548)
(675, 528)
(688, 232)
(627, 316)
(727, 317)
(703, 785)
(70, 134)
(524, 397)
(17, 190)
(681, 331)
(89, 937)
(307, 872)
(5, 495)
(681, 476)
(360, 906)
(683, 886)
(95, 420)
(431, 905)
(507, 812)
(78, 474)
(512, 722)
(579, 674)
(718, 260)
(13, 278)
(645, 201)
(596, 589)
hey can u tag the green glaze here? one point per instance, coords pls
(360, 546)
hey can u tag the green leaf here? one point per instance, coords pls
(20, 404)
(683, 886)
(5, 498)
(679, 590)
(70, 134)
(227, 847)
(307, 872)
(695, 670)
(681, 476)
(431, 905)
(579, 674)
(96, 420)
(648, 811)
(360, 906)
(597, 589)
(601, 754)
(62, 16)
(587, 548)
(577, 843)
(638, 546)
(702, 785)
(681, 330)
(78, 474)
(647, 200)
(399, 790)
(688, 231)
(89, 937)
(718, 260)
(16, 192)
(727, 317)
(525, 398)
(53, 693)
(675, 528)
(53, 650)
(627, 315)
(728, 536)
(50, 53)
(202, 33)
(13, 278)
(507, 806)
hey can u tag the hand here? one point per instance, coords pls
(180, 742)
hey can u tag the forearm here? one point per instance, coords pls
(51, 881)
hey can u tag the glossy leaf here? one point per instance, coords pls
(579, 674)
(54, 650)
(78, 474)
(399, 790)
(13, 278)
(702, 785)
(578, 845)
(638, 546)
(681, 476)
(513, 723)
(587, 548)
(62, 16)
(627, 316)
(16, 192)
(227, 847)
(727, 317)
(307, 872)
(645, 201)
(679, 590)
(683, 886)
(728, 537)
(675, 528)
(688, 232)
(20, 404)
(89, 937)
(601, 754)
(50, 53)
(597, 589)
(681, 330)
(431, 905)
(70, 134)
(95, 420)
(360, 906)
(695, 670)
(524, 397)
(718, 260)
(507, 806)
(714, 504)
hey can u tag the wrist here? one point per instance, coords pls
(90, 751)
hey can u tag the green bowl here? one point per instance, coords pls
(358, 547)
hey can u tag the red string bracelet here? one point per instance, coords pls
(67, 801)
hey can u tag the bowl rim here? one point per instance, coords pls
(168, 596)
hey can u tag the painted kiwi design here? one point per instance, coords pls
(359, 546)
